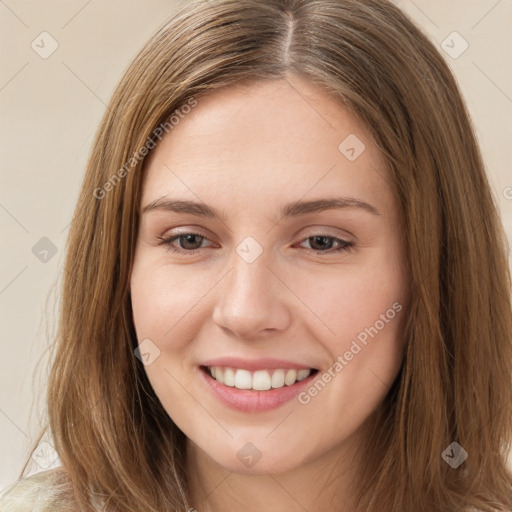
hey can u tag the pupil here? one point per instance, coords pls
(322, 238)
(189, 239)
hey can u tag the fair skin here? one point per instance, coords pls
(247, 151)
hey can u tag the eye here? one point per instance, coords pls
(320, 241)
(190, 243)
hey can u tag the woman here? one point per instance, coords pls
(213, 354)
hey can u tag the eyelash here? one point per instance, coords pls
(344, 246)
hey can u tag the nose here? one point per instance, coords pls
(253, 301)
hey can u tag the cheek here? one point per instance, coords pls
(366, 354)
(164, 302)
(364, 308)
(163, 308)
(369, 331)
(354, 299)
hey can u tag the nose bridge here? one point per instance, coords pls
(250, 300)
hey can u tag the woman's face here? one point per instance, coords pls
(269, 246)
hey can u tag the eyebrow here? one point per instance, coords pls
(293, 209)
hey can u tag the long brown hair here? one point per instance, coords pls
(113, 436)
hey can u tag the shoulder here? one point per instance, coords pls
(47, 491)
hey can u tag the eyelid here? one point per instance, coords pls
(319, 231)
(343, 245)
(167, 239)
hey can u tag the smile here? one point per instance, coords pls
(261, 380)
(257, 389)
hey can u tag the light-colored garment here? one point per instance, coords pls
(46, 491)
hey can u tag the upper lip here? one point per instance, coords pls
(255, 364)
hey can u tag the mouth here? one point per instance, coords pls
(259, 380)
(255, 390)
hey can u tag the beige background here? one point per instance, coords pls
(50, 109)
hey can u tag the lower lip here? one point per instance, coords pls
(247, 400)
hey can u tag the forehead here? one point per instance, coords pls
(267, 141)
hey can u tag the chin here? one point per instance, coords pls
(246, 459)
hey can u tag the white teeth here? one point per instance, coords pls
(278, 379)
(261, 380)
(291, 377)
(302, 374)
(243, 379)
(229, 377)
